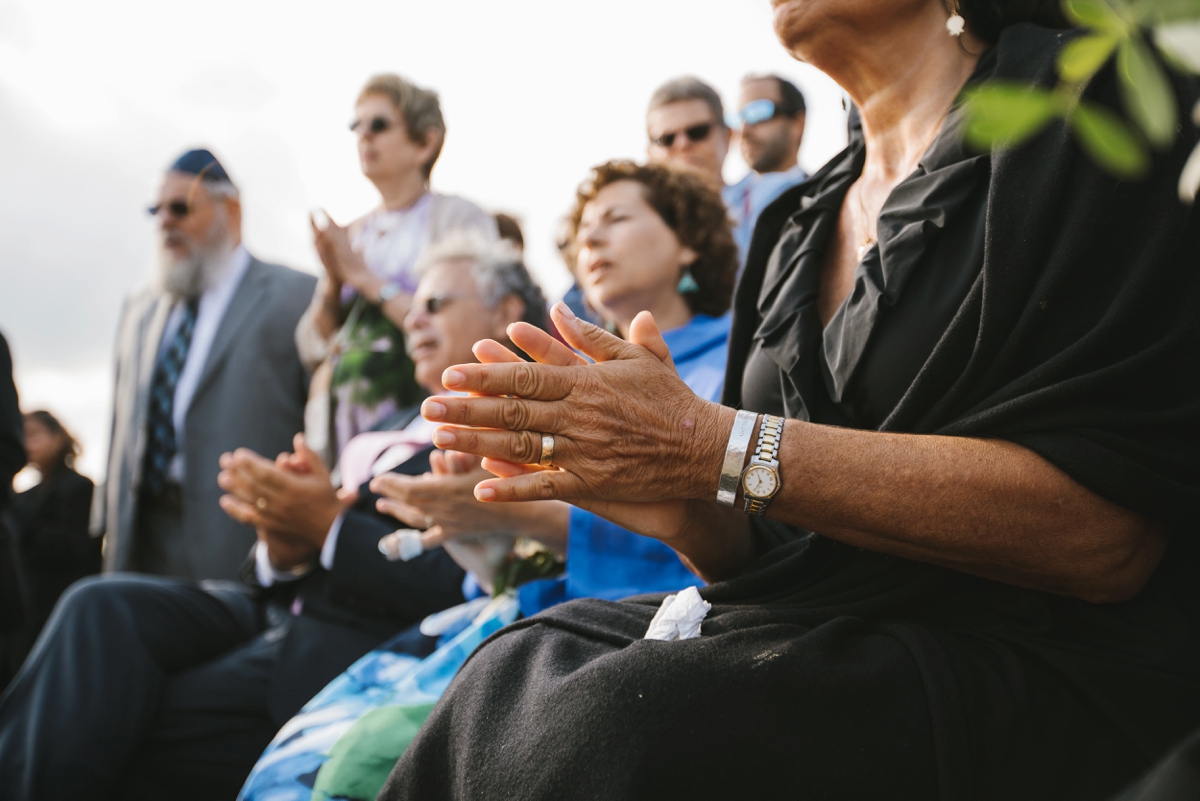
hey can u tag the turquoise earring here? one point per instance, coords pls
(687, 284)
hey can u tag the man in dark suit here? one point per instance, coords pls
(146, 688)
(205, 362)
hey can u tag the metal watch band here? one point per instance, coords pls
(735, 457)
(768, 439)
(766, 453)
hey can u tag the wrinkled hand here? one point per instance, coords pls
(627, 429)
(342, 263)
(445, 495)
(290, 502)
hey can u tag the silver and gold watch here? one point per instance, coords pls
(760, 481)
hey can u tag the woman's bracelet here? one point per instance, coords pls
(735, 457)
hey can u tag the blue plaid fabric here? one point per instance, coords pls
(161, 445)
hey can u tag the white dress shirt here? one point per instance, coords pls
(213, 305)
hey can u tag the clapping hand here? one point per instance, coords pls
(290, 502)
(342, 263)
(627, 429)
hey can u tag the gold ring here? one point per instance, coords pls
(261, 503)
(547, 459)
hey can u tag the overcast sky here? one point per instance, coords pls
(96, 98)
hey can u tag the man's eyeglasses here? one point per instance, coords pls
(754, 112)
(178, 209)
(440, 300)
(694, 134)
(377, 125)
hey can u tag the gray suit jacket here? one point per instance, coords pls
(251, 394)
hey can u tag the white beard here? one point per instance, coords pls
(192, 275)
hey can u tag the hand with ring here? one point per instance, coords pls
(625, 429)
(290, 502)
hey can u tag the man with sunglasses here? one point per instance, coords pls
(686, 128)
(769, 126)
(205, 363)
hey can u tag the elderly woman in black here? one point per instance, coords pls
(961, 558)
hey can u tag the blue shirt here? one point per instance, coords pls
(603, 559)
(748, 197)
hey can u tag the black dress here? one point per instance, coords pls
(56, 548)
(1025, 296)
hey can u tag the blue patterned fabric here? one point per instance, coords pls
(161, 443)
(387, 676)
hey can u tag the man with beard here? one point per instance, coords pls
(205, 363)
(770, 120)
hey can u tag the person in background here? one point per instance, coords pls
(686, 127)
(351, 333)
(575, 299)
(770, 128)
(205, 363)
(52, 519)
(186, 683)
(12, 459)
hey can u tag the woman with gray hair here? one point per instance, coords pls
(352, 329)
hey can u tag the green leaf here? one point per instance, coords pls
(1109, 141)
(1158, 12)
(1080, 59)
(1095, 14)
(1007, 114)
(1146, 92)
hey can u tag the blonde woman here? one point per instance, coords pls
(352, 329)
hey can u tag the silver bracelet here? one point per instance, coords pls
(735, 457)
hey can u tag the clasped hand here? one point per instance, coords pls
(627, 429)
(291, 502)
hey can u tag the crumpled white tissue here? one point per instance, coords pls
(402, 545)
(679, 617)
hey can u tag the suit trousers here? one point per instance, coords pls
(141, 688)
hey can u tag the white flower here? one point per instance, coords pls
(956, 25)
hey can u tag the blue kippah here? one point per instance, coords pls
(202, 164)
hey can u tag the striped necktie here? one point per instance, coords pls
(161, 445)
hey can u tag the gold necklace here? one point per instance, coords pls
(869, 239)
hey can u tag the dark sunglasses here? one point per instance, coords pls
(176, 208)
(377, 125)
(694, 134)
(440, 300)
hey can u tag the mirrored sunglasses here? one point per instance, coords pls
(754, 112)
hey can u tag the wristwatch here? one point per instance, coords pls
(388, 291)
(760, 482)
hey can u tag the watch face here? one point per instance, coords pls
(760, 482)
